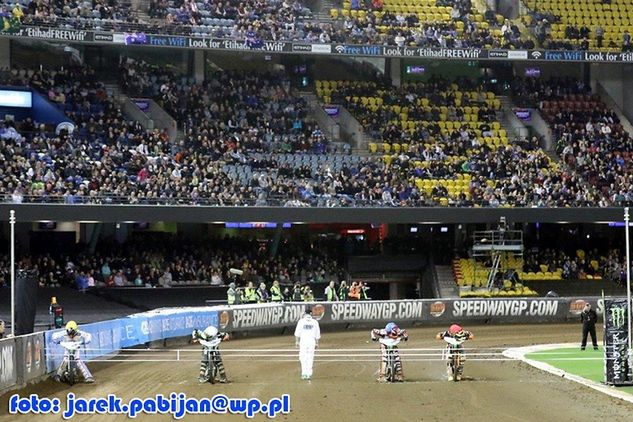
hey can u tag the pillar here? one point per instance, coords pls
(395, 71)
(5, 52)
(198, 65)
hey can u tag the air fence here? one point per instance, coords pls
(30, 358)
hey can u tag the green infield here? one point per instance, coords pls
(588, 363)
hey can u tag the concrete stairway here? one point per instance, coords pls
(328, 125)
(446, 282)
(323, 14)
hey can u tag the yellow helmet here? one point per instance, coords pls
(71, 327)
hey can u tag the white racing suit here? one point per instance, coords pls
(455, 349)
(81, 337)
(210, 334)
(307, 336)
(377, 334)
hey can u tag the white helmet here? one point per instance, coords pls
(210, 332)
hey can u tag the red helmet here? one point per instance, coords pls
(455, 329)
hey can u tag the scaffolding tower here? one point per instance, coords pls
(497, 247)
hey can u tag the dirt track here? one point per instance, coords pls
(493, 390)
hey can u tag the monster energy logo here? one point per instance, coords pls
(618, 316)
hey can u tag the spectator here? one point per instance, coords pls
(262, 293)
(330, 293)
(297, 295)
(343, 291)
(354, 291)
(232, 295)
(599, 31)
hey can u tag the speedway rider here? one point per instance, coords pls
(458, 333)
(209, 334)
(392, 331)
(72, 334)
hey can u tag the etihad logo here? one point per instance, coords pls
(498, 54)
(301, 47)
(103, 37)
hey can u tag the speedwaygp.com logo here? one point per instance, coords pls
(482, 308)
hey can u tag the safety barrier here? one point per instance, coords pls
(110, 336)
(22, 360)
(27, 358)
(423, 311)
(8, 364)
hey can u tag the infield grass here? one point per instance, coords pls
(584, 363)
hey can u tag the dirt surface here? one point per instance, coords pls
(494, 390)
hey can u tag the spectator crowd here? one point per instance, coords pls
(578, 265)
(248, 141)
(589, 137)
(298, 292)
(163, 260)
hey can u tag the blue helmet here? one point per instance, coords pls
(391, 327)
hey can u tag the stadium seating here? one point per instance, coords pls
(590, 138)
(420, 23)
(99, 14)
(442, 131)
(472, 277)
(614, 17)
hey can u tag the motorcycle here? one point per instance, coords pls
(453, 353)
(390, 369)
(71, 372)
(211, 357)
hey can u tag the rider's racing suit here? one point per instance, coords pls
(377, 334)
(209, 334)
(463, 336)
(81, 337)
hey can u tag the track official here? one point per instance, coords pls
(588, 317)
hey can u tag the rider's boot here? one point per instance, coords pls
(202, 378)
(449, 372)
(85, 372)
(222, 372)
(399, 375)
(381, 375)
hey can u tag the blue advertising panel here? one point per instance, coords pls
(111, 336)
